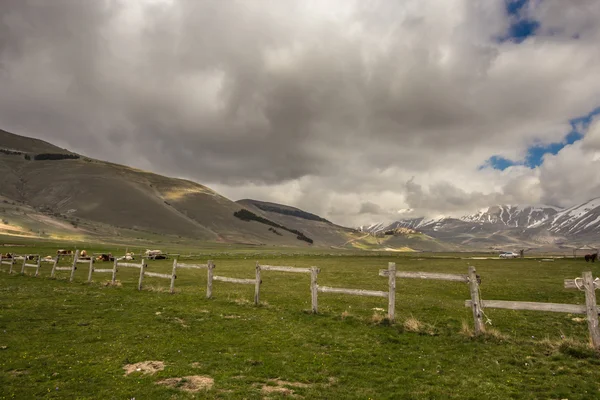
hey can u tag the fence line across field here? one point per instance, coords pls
(585, 283)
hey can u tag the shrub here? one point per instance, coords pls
(246, 215)
(55, 156)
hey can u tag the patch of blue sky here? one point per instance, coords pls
(520, 27)
(535, 154)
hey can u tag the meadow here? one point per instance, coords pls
(73, 340)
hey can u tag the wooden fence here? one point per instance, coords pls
(313, 271)
(10, 263)
(471, 278)
(72, 268)
(586, 283)
(390, 294)
(37, 264)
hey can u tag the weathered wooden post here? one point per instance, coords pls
(392, 292)
(12, 263)
(142, 270)
(91, 269)
(24, 262)
(173, 276)
(314, 289)
(209, 282)
(54, 266)
(114, 271)
(39, 264)
(74, 267)
(475, 301)
(257, 285)
(591, 308)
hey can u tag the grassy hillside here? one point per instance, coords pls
(62, 340)
(123, 198)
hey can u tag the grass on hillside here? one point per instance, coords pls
(72, 340)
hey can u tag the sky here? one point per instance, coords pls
(359, 111)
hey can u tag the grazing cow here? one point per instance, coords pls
(7, 256)
(62, 252)
(49, 258)
(591, 257)
(105, 257)
(155, 254)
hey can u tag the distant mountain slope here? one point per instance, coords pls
(583, 219)
(124, 197)
(313, 226)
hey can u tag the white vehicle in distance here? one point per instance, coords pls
(508, 254)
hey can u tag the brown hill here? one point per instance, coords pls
(62, 184)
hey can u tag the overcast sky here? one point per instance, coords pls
(359, 111)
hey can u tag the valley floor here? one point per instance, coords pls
(73, 340)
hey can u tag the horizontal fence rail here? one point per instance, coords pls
(313, 271)
(427, 275)
(354, 292)
(531, 306)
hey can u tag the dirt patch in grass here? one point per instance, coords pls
(18, 372)
(192, 384)
(279, 386)
(181, 322)
(145, 367)
(110, 284)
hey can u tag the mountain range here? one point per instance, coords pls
(53, 193)
(504, 225)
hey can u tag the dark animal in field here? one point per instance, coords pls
(30, 257)
(7, 256)
(591, 257)
(64, 252)
(105, 257)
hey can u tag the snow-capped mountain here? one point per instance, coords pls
(503, 224)
(577, 220)
(513, 216)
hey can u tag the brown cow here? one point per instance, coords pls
(105, 257)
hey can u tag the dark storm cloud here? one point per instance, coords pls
(342, 97)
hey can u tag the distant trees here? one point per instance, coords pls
(55, 156)
(287, 211)
(246, 215)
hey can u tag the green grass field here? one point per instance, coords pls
(72, 340)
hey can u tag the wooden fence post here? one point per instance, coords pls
(54, 266)
(392, 292)
(209, 279)
(142, 270)
(39, 264)
(173, 276)
(91, 269)
(257, 285)
(75, 258)
(591, 308)
(475, 301)
(23, 266)
(12, 263)
(313, 289)
(114, 272)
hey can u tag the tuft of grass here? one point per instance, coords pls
(465, 329)
(412, 324)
